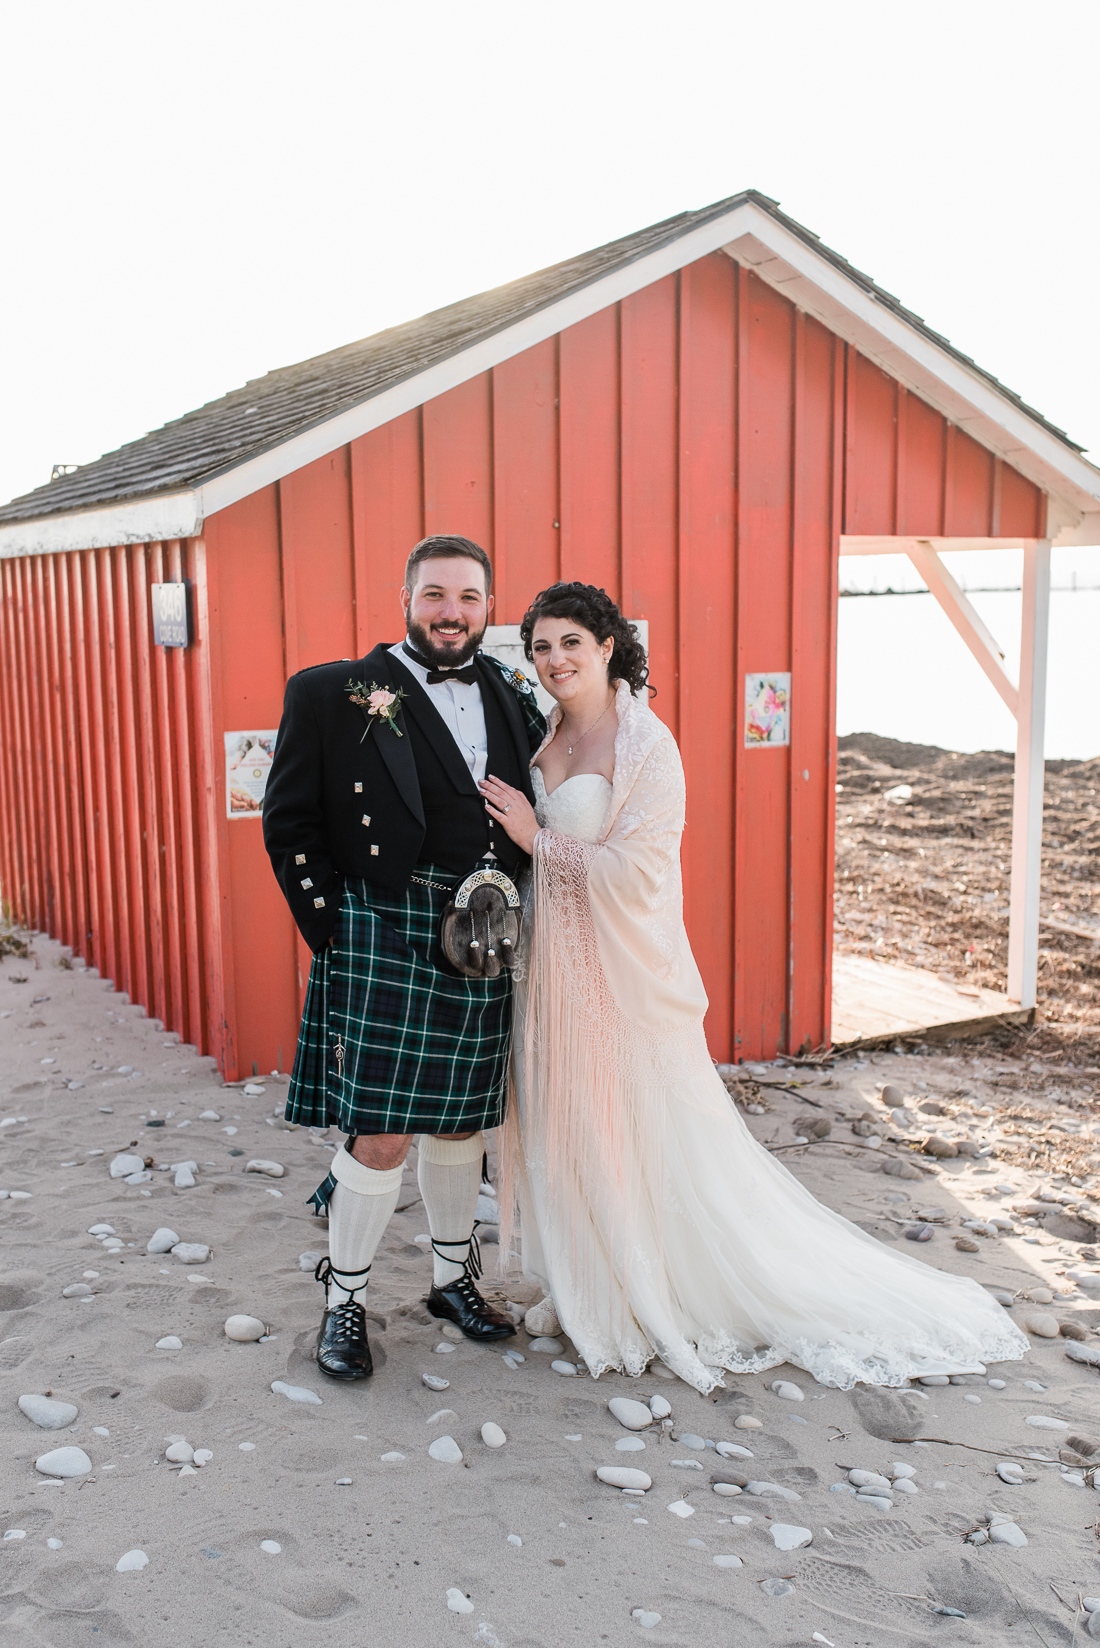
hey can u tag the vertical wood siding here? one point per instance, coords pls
(696, 450)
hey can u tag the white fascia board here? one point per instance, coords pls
(750, 236)
(851, 545)
(816, 285)
(144, 521)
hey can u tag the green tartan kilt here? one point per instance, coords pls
(425, 1049)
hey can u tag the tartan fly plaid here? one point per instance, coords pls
(424, 1050)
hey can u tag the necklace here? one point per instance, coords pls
(594, 725)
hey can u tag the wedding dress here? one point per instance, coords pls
(646, 1209)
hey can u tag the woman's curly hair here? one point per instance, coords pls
(594, 610)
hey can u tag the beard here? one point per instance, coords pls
(449, 652)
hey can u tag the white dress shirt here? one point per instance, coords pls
(460, 706)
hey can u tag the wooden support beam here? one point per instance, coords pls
(1027, 796)
(965, 619)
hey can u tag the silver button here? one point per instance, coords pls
(358, 789)
(366, 818)
(299, 858)
(308, 882)
(374, 852)
(318, 903)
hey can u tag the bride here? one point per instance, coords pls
(649, 1213)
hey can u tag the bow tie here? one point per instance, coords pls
(467, 673)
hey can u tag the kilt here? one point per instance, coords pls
(425, 1049)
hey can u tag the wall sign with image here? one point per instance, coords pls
(171, 615)
(247, 764)
(767, 709)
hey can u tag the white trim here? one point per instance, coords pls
(1030, 772)
(906, 546)
(965, 619)
(750, 236)
(145, 521)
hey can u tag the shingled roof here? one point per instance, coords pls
(268, 411)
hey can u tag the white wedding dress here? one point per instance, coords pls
(646, 1209)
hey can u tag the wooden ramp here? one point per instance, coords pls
(875, 1001)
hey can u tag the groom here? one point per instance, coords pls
(372, 815)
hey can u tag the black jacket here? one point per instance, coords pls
(346, 796)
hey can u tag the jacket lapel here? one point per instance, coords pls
(397, 754)
(505, 700)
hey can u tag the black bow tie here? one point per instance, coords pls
(467, 673)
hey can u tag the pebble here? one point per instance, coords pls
(728, 1490)
(446, 1450)
(101, 1430)
(55, 1544)
(209, 1116)
(1033, 1385)
(623, 1476)
(645, 1617)
(131, 1562)
(633, 1416)
(629, 1444)
(514, 1539)
(1039, 1296)
(434, 1382)
(541, 1321)
(76, 1290)
(393, 1459)
(868, 1479)
(686, 1464)
(244, 1329)
(1072, 1330)
(253, 1090)
(1003, 1297)
(1089, 1354)
(271, 1546)
(1011, 1471)
(458, 1602)
(934, 1379)
(295, 1393)
(766, 1489)
(162, 1241)
(965, 1245)
(747, 1422)
(63, 1462)
(548, 1347)
(996, 1384)
(444, 1348)
(191, 1253)
(898, 1168)
(101, 1230)
(169, 1343)
(919, 1233)
(687, 1440)
(934, 1145)
(440, 1415)
(776, 1587)
(904, 1484)
(121, 1168)
(203, 1456)
(1003, 1531)
(898, 1470)
(179, 1453)
(786, 1389)
(1043, 1422)
(727, 1562)
(970, 1397)
(1041, 1323)
(15, 1533)
(567, 1368)
(660, 1407)
(680, 1507)
(184, 1178)
(492, 1435)
(274, 1170)
(47, 1412)
(730, 1450)
(881, 1501)
(789, 1538)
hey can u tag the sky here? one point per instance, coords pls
(195, 195)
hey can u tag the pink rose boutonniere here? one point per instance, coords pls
(379, 702)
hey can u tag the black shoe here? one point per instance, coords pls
(460, 1302)
(342, 1348)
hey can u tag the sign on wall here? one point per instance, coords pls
(247, 764)
(171, 618)
(767, 709)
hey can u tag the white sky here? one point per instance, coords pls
(195, 194)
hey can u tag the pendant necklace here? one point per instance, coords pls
(594, 725)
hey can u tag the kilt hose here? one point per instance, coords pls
(424, 1049)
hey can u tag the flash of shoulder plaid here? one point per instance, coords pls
(424, 1049)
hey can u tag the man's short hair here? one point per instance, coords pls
(447, 547)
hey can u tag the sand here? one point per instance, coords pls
(522, 1538)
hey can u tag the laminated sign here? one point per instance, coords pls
(247, 764)
(170, 616)
(767, 710)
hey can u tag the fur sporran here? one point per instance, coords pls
(479, 930)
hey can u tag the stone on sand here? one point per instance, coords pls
(788, 1390)
(274, 1170)
(244, 1329)
(123, 1165)
(623, 1476)
(1010, 1471)
(727, 1561)
(446, 1450)
(776, 1587)
(48, 1413)
(492, 1435)
(787, 1537)
(161, 1241)
(63, 1462)
(1041, 1323)
(131, 1561)
(633, 1416)
(728, 1490)
(645, 1617)
(76, 1290)
(295, 1393)
(660, 1407)
(1043, 1421)
(191, 1253)
(772, 1490)
(934, 1145)
(868, 1479)
(179, 1453)
(170, 1342)
(547, 1346)
(434, 1383)
(1089, 1354)
(747, 1422)
(458, 1602)
(680, 1507)
(1003, 1531)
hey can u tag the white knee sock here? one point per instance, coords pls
(449, 1176)
(359, 1210)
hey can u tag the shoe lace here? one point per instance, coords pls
(471, 1266)
(349, 1321)
(327, 1273)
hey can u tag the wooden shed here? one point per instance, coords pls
(700, 417)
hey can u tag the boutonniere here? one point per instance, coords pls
(379, 703)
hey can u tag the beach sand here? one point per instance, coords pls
(523, 1541)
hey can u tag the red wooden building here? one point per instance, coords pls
(699, 417)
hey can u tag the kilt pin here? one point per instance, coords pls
(369, 826)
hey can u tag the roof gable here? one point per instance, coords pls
(165, 483)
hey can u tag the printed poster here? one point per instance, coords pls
(247, 763)
(767, 710)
